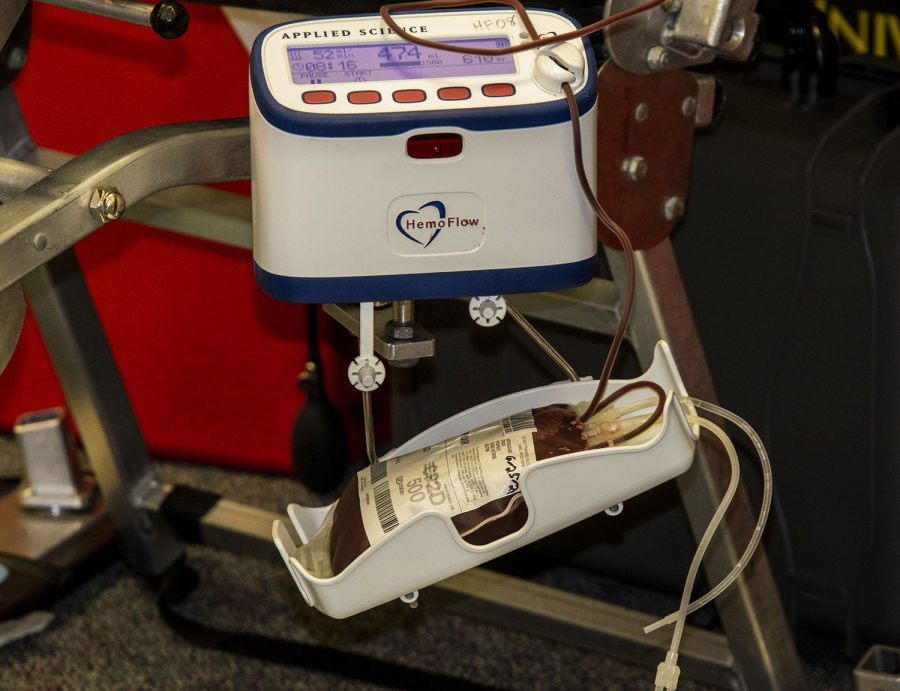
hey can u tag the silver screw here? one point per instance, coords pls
(736, 34)
(689, 106)
(635, 168)
(657, 58)
(641, 112)
(39, 241)
(16, 59)
(107, 204)
(673, 207)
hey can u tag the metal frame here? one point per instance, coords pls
(56, 211)
(67, 204)
(750, 611)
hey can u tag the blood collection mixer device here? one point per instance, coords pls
(386, 170)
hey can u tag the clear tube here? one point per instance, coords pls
(542, 342)
(615, 412)
(681, 614)
(760, 523)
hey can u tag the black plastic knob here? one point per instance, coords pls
(169, 19)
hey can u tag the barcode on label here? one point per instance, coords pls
(519, 422)
(381, 490)
(378, 472)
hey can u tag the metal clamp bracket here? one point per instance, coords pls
(55, 212)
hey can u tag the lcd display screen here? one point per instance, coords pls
(370, 62)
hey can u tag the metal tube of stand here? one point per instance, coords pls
(403, 311)
(124, 10)
(168, 18)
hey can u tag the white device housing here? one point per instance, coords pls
(334, 184)
(558, 492)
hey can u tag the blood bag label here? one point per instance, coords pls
(453, 477)
(436, 223)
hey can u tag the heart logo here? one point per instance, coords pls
(432, 228)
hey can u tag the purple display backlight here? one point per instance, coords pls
(370, 62)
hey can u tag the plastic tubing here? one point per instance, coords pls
(681, 614)
(760, 523)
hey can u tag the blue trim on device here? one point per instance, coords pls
(388, 124)
(424, 286)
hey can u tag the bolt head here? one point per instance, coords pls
(658, 58)
(689, 106)
(16, 58)
(635, 168)
(673, 208)
(641, 112)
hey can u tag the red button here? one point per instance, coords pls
(438, 145)
(494, 90)
(409, 96)
(318, 97)
(362, 97)
(454, 93)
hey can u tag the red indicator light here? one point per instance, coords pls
(434, 145)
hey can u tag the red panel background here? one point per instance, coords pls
(208, 360)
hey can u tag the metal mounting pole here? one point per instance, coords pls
(36, 228)
(101, 410)
(751, 612)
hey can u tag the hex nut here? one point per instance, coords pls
(398, 331)
(107, 204)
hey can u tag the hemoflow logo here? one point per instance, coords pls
(424, 224)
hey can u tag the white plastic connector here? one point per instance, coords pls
(615, 509)
(487, 310)
(366, 372)
(667, 673)
(557, 65)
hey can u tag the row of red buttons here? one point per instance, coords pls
(447, 93)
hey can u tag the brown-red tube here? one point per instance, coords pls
(597, 401)
(536, 42)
